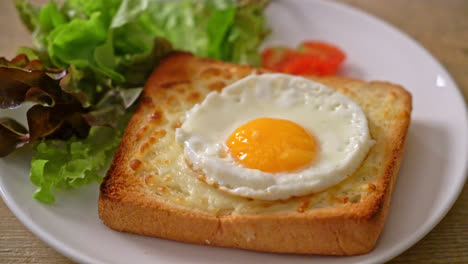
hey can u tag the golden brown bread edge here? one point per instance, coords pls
(123, 207)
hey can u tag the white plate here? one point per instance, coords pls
(431, 177)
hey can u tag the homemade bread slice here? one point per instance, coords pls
(150, 189)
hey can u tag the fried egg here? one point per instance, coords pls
(274, 136)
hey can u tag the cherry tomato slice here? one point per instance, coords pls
(310, 58)
(309, 65)
(322, 50)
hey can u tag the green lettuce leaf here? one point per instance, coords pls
(101, 34)
(218, 26)
(75, 42)
(70, 164)
(50, 17)
(226, 30)
(248, 32)
(129, 10)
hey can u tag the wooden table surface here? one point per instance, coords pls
(440, 26)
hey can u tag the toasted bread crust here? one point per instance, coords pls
(345, 230)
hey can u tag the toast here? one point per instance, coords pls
(150, 189)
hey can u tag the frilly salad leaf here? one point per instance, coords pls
(87, 68)
(248, 32)
(35, 84)
(73, 163)
(61, 108)
(226, 30)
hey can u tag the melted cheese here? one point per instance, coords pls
(167, 175)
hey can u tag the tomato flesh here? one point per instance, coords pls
(310, 58)
(322, 50)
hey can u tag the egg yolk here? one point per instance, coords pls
(272, 145)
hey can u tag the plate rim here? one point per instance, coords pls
(428, 226)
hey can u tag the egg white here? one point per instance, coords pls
(338, 124)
